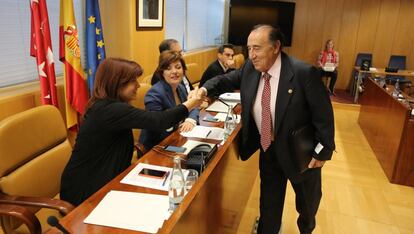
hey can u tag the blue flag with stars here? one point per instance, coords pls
(94, 40)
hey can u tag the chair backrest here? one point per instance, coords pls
(146, 79)
(358, 61)
(193, 72)
(139, 103)
(361, 57)
(34, 150)
(398, 61)
(238, 60)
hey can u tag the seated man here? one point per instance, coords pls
(171, 44)
(222, 65)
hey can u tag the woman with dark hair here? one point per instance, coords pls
(328, 61)
(104, 144)
(165, 94)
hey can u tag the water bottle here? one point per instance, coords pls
(176, 187)
(229, 123)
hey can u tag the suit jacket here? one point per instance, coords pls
(160, 97)
(301, 99)
(214, 69)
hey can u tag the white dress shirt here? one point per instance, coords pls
(274, 71)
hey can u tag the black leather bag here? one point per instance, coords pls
(302, 143)
(199, 157)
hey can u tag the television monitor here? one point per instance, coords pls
(244, 14)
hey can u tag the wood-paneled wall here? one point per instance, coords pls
(380, 27)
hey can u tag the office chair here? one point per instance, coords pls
(397, 61)
(194, 73)
(146, 79)
(358, 62)
(139, 103)
(238, 60)
(34, 149)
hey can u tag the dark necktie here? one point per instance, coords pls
(266, 128)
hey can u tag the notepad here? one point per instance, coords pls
(218, 106)
(133, 211)
(329, 67)
(198, 131)
(133, 177)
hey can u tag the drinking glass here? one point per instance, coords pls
(191, 179)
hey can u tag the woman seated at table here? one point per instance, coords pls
(167, 93)
(328, 61)
(104, 144)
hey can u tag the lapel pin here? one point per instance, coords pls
(290, 91)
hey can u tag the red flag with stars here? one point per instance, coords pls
(41, 48)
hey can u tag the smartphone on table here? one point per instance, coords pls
(210, 118)
(175, 149)
(152, 173)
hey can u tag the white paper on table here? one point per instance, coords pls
(218, 106)
(198, 131)
(232, 97)
(222, 117)
(133, 211)
(191, 144)
(373, 69)
(133, 177)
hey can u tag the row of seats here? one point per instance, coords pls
(395, 61)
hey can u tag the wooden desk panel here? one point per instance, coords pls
(381, 71)
(216, 201)
(384, 121)
(219, 205)
(404, 173)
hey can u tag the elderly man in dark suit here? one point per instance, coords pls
(280, 94)
(224, 63)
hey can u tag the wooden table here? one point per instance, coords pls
(389, 129)
(377, 71)
(215, 203)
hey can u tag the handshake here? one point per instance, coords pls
(195, 98)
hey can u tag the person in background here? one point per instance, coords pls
(167, 93)
(171, 44)
(222, 65)
(104, 144)
(331, 57)
(279, 95)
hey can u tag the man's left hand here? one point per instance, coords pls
(315, 163)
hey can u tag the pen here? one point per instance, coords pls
(166, 177)
(222, 102)
(208, 133)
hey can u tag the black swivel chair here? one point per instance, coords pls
(397, 61)
(358, 62)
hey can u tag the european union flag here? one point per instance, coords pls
(94, 40)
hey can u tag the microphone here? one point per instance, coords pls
(54, 222)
